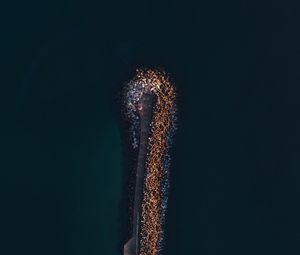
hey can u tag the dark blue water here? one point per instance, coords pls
(235, 169)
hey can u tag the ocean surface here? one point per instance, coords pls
(235, 160)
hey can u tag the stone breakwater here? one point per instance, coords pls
(156, 178)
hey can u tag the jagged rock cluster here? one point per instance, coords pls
(163, 126)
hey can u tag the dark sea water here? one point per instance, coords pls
(64, 161)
